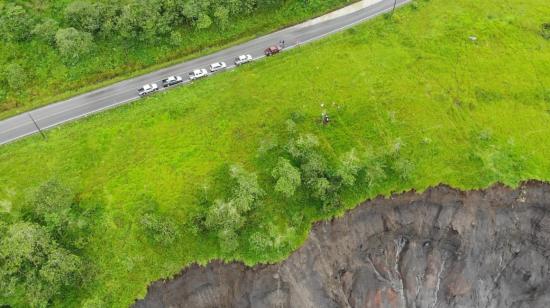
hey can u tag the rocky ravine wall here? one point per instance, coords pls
(442, 248)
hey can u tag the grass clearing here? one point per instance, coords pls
(465, 113)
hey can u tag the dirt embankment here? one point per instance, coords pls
(442, 248)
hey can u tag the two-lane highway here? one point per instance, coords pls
(123, 92)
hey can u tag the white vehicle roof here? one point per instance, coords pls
(147, 87)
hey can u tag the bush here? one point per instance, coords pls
(223, 215)
(73, 44)
(288, 177)
(545, 30)
(348, 168)
(15, 23)
(46, 31)
(247, 191)
(160, 229)
(84, 16)
(50, 205)
(227, 217)
(15, 76)
(228, 240)
(32, 264)
(302, 147)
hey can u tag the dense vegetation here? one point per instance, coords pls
(187, 176)
(53, 49)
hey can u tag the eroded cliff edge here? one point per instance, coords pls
(441, 248)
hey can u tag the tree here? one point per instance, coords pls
(228, 240)
(348, 168)
(221, 16)
(223, 215)
(15, 23)
(203, 21)
(50, 205)
(148, 20)
(46, 30)
(16, 76)
(73, 44)
(288, 177)
(225, 218)
(32, 264)
(320, 188)
(260, 242)
(247, 191)
(84, 16)
(176, 39)
(313, 167)
(160, 229)
(300, 148)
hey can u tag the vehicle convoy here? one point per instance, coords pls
(147, 89)
(199, 73)
(214, 67)
(271, 50)
(172, 80)
(242, 59)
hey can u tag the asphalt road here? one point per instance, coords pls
(126, 91)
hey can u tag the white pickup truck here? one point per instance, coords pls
(196, 74)
(147, 89)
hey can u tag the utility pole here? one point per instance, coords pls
(394, 4)
(37, 127)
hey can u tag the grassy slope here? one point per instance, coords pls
(112, 60)
(468, 114)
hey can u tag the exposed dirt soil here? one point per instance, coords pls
(441, 248)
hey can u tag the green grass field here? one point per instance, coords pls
(465, 113)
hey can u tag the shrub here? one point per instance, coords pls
(288, 177)
(223, 215)
(33, 264)
(160, 229)
(73, 44)
(46, 31)
(348, 168)
(50, 205)
(545, 30)
(247, 191)
(15, 76)
(84, 16)
(15, 23)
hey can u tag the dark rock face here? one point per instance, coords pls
(442, 248)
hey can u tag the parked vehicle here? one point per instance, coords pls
(271, 50)
(242, 59)
(172, 80)
(148, 89)
(214, 67)
(196, 74)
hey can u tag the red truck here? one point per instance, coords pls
(272, 50)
